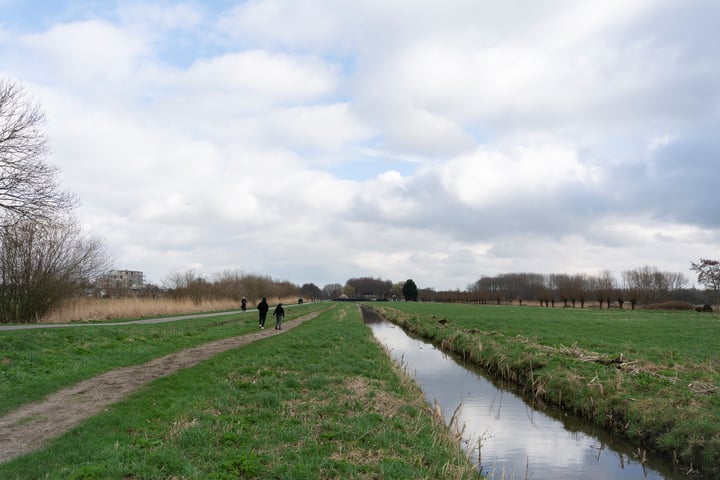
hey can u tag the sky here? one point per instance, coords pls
(318, 141)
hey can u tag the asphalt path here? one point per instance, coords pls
(33, 326)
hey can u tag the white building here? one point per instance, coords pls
(120, 280)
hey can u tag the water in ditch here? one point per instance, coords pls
(506, 437)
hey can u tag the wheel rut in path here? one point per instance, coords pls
(29, 427)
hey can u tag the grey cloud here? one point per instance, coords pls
(685, 185)
(549, 213)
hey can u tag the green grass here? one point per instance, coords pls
(650, 375)
(320, 401)
(34, 363)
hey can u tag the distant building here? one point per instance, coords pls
(124, 280)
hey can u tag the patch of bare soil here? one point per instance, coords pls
(29, 427)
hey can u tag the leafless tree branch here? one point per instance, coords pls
(29, 188)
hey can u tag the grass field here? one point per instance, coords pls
(320, 401)
(37, 362)
(650, 375)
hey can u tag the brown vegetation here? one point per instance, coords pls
(670, 306)
(93, 309)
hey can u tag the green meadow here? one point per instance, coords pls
(651, 376)
(319, 401)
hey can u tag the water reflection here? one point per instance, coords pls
(505, 436)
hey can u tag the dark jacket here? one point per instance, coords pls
(263, 306)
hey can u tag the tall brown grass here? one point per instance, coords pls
(89, 309)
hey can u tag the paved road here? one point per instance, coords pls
(31, 326)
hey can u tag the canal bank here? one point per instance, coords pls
(505, 433)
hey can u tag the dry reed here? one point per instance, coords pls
(92, 309)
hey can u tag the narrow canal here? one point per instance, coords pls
(506, 437)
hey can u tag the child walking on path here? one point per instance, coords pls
(279, 313)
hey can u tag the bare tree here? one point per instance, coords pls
(43, 263)
(188, 285)
(29, 189)
(649, 285)
(258, 286)
(229, 284)
(603, 285)
(180, 280)
(676, 281)
(563, 287)
(631, 289)
(642, 281)
(332, 290)
(580, 284)
(284, 289)
(708, 272)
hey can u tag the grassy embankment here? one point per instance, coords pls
(320, 401)
(650, 375)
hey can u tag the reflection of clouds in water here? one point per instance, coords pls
(514, 435)
(421, 356)
(511, 432)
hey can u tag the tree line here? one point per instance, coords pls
(644, 285)
(234, 285)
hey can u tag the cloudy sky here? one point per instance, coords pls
(317, 141)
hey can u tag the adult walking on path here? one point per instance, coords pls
(278, 313)
(263, 308)
(30, 426)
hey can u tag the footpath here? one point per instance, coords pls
(31, 426)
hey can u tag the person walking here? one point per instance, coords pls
(278, 313)
(263, 308)
(243, 304)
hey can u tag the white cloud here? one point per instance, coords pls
(491, 178)
(277, 77)
(658, 142)
(325, 127)
(159, 18)
(321, 140)
(287, 22)
(93, 53)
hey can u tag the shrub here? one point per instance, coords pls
(670, 306)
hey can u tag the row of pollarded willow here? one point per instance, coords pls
(641, 286)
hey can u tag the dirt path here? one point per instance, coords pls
(29, 427)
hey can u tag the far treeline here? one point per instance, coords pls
(642, 286)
